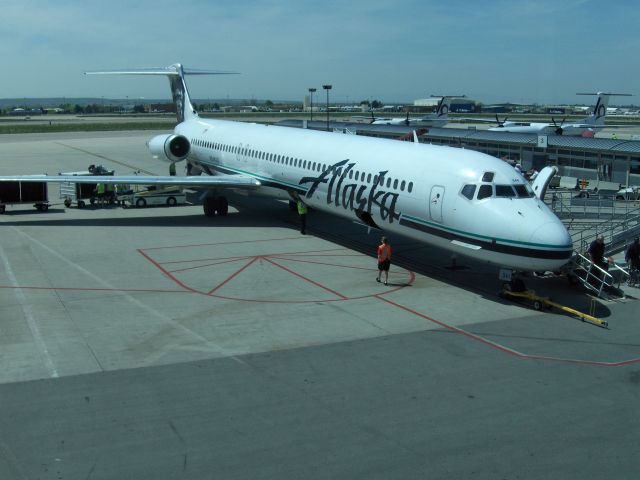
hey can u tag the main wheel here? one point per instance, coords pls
(222, 206)
(172, 202)
(141, 202)
(209, 206)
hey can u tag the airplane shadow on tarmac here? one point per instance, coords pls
(470, 275)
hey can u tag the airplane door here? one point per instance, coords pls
(435, 203)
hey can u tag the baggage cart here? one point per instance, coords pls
(81, 193)
(18, 192)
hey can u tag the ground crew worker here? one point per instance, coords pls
(632, 257)
(172, 169)
(302, 213)
(384, 260)
(110, 194)
(596, 252)
(100, 192)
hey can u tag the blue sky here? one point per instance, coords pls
(490, 50)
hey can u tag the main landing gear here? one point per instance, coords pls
(215, 205)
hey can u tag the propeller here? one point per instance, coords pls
(557, 127)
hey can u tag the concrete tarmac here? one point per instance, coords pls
(237, 348)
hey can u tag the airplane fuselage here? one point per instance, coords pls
(421, 191)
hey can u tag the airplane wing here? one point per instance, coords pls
(222, 181)
(587, 125)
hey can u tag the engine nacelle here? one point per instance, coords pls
(169, 148)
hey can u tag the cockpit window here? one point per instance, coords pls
(523, 191)
(505, 191)
(487, 177)
(468, 191)
(485, 191)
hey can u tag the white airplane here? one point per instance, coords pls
(459, 200)
(582, 127)
(437, 119)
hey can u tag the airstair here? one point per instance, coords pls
(617, 222)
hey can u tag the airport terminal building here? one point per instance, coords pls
(610, 160)
(589, 158)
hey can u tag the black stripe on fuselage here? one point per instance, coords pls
(490, 246)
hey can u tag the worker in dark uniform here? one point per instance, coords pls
(596, 252)
(172, 169)
(596, 255)
(632, 257)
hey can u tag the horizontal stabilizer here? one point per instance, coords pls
(607, 93)
(161, 71)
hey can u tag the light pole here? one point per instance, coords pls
(311, 90)
(327, 88)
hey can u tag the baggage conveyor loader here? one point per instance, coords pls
(539, 302)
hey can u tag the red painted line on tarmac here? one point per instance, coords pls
(307, 279)
(168, 274)
(228, 243)
(324, 252)
(236, 257)
(304, 254)
(232, 276)
(504, 349)
(322, 263)
(209, 264)
(97, 289)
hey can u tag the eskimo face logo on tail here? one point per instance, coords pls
(358, 196)
(177, 90)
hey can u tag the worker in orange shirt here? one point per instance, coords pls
(384, 260)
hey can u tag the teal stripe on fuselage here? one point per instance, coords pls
(482, 237)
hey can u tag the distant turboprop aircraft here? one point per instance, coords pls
(437, 119)
(587, 125)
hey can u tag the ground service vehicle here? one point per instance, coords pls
(154, 196)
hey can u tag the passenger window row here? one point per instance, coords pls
(305, 164)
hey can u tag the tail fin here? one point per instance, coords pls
(442, 110)
(176, 73)
(600, 108)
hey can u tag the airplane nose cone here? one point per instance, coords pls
(552, 235)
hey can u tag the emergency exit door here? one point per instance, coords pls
(435, 203)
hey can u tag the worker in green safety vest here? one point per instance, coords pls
(302, 213)
(100, 189)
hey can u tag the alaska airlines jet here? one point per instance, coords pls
(459, 200)
(580, 127)
(437, 119)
